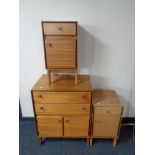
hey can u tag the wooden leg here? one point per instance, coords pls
(49, 76)
(114, 141)
(91, 142)
(88, 141)
(76, 77)
(40, 140)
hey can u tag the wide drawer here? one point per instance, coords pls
(62, 109)
(108, 111)
(59, 28)
(62, 97)
(60, 44)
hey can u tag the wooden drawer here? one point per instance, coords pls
(108, 111)
(61, 58)
(59, 44)
(59, 28)
(76, 126)
(49, 125)
(62, 97)
(62, 108)
(106, 127)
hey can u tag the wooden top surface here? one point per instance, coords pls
(105, 97)
(65, 83)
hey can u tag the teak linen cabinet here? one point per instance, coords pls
(62, 109)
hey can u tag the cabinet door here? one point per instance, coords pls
(106, 127)
(76, 126)
(49, 126)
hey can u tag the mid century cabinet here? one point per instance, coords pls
(62, 109)
(106, 115)
(60, 47)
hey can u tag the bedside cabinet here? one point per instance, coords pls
(106, 116)
(62, 109)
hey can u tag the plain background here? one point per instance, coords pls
(106, 47)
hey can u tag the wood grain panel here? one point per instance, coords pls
(50, 125)
(62, 97)
(59, 28)
(106, 127)
(62, 108)
(108, 111)
(76, 126)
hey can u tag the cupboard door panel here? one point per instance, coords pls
(76, 126)
(107, 127)
(49, 125)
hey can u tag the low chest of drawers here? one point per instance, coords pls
(106, 115)
(62, 109)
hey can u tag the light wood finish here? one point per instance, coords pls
(50, 125)
(107, 111)
(53, 28)
(60, 47)
(62, 108)
(106, 117)
(105, 127)
(76, 126)
(62, 97)
(65, 83)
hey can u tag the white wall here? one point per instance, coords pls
(105, 44)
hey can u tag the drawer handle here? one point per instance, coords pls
(67, 121)
(50, 45)
(60, 28)
(84, 97)
(83, 108)
(40, 96)
(108, 111)
(42, 108)
(59, 120)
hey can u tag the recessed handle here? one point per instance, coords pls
(83, 108)
(84, 96)
(42, 108)
(40, 96)
(108, 111)
(67, 121)
(60, 28)
(60, 120)
(50, 45)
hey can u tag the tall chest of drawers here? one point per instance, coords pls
(62, 109)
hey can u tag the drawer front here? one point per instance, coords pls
(108, 111)
(62, 97)
(59, 28)
(106, 127)
(59, 44)
(62, 108)
(49, 125)
(76, 126)
(61, 58)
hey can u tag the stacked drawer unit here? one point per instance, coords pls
(106, 116)
(62, 109)
(60, 44)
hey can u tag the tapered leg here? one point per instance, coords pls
(49, 76)
(40, 140)
(88, 141)
(91, 142)
(114, 141)
(76, 77)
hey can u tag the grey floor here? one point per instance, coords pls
(29, 144)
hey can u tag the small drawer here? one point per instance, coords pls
(108, 111)
(61, 109)
(60, 44)
(59, 28)
(62, 97)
